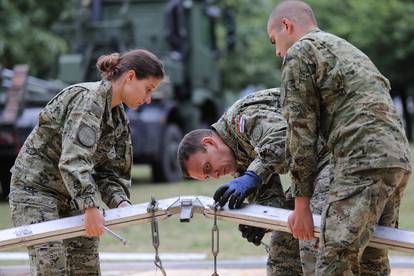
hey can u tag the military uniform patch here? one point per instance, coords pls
(257, 133)
(86, 136)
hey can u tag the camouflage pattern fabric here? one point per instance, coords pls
(331, 90)
(79, 153)
(255, 130)
(349, 221)
(309, 249)
(75, 256)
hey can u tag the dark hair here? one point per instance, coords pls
(190, 144)
(144, 63)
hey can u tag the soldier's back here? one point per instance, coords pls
(358, 118)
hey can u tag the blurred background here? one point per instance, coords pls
(214, 52)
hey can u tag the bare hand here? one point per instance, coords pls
(94, 222)
(300, 222)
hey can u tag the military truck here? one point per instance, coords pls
(183, 34)
(21, 99)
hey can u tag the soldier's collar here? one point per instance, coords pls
(311, 31)
(106, 89)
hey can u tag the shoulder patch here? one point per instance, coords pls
(257, 133)
(240, 124)
(86, 136)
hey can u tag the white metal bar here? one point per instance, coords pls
(254, 215)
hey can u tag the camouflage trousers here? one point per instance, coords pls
(75, 256)
(309, 249)
(283, 256)
(356, 203)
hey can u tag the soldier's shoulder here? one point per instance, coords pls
(85, 86)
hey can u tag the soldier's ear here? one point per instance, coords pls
(130, 75)
(208, 140)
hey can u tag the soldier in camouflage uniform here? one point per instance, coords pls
(332, 90)
(250, 136)
(79, 153)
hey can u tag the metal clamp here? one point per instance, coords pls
(186, 210)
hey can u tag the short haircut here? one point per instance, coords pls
(190, 144)
(295, 10)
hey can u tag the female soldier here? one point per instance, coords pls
(80, 152)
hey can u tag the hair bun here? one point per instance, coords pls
(108, 65)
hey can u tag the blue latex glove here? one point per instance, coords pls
(237, 190)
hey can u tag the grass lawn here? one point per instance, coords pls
(193, 237)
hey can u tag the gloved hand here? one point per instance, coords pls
(237, 190)
(252, 234)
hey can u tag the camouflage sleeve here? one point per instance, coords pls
(81, 130)
(113, 176)
(301, 110)
(267, 135)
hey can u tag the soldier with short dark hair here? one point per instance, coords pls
(79, 154)
(248, 141)
(331, 89)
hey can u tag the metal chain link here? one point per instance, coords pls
(266, 246)
(215, 242)
(152, 207)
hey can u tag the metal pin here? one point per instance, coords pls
(115, 235)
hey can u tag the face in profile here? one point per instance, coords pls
(216, 161)
(281, 37)
(138, 92)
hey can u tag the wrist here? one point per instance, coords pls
(254, 176)
(302, 203)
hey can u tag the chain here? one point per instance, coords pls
(266, 246)
(152, 207)
(215, 240)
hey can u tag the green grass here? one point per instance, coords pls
(194, 236)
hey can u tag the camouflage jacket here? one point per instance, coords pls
(330, 89)
(255, 130)
(80, 147)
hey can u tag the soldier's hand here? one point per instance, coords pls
(252, 234)
(300, 222)
(237, 190)
(94, 222)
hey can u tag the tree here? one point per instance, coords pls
(252, 62)
(26, 35)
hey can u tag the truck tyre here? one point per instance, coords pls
(5, 176)
(166, 169)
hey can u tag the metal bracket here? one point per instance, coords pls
(186, 210)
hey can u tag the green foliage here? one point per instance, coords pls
(383, 29)
(26, 37)
(253, 60)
